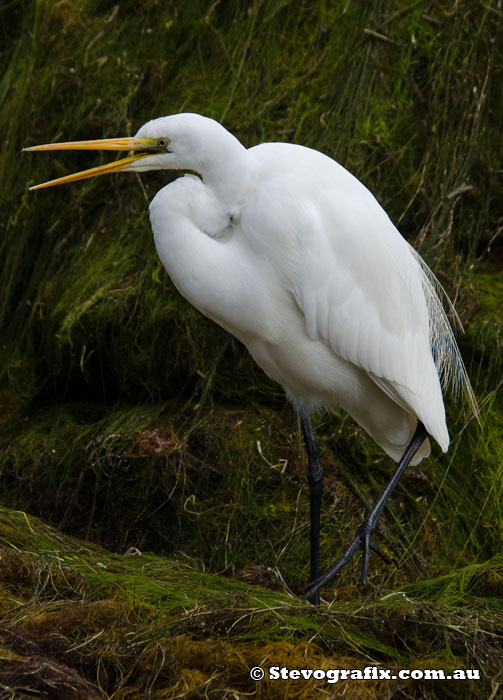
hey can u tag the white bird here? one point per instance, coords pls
(286, 250)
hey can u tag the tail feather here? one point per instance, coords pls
(450, 367)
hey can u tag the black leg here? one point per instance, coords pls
(364, 532)
(315, 481)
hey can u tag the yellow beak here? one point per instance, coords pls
(122, 144)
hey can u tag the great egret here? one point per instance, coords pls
(290, 253)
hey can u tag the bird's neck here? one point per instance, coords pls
(230, 175)
(226, 169)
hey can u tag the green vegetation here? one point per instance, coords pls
(129, 420)
(146, 626)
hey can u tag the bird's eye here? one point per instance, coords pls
(162, 142)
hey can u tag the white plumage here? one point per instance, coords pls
(290, 253)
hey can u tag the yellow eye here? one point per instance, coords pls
(162, 142)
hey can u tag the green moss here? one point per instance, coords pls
(112, 620)
(485, 329)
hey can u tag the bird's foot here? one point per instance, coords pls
(360, 541)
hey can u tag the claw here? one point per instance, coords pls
(360, 541)
(387, 560)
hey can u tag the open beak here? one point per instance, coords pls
(149, 147)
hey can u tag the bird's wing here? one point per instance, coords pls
(361, 290)
(360, 286)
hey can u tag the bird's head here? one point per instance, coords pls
(178, 142)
